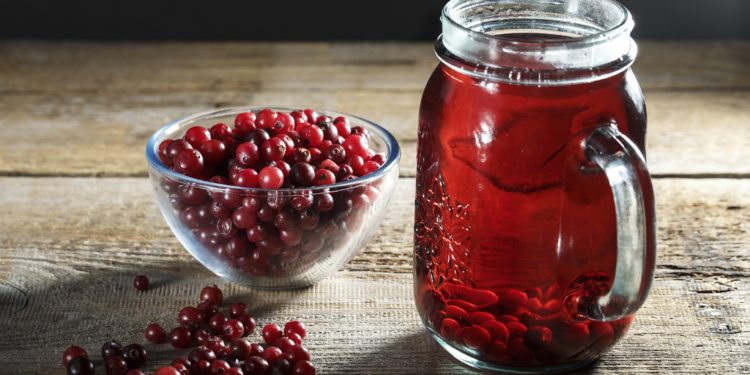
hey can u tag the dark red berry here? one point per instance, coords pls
(190, 318)
(300, 155)
(247, 177)
(237, 309)
(295, 326)
(257, 137)
(266, 119)
(303, 368)
(155, 333)
(176, 147)
(80, 366)
(201, 353)
(240, 349)
(273, 149)
(281, 367)
(212, 294)
(115, 366)
(111, 349)
(216, 324)
(284, 343)
(247, 154)
(162, 152)
(369, 167)
(134, 371)
(272, 354)
(248, 322)
(219, 131)
(233, 329)
(336, 153)
(73, 351)
(234, 371)
(140, 282)
(302, 174)
(167, 370)
(180, 337)
(213, 151)
(189, 162)
(219, 367)
(197, 136)
(296, 354)
(208, 310)
(134, 355)
(271, 332)
(256, 365)
(201, 337)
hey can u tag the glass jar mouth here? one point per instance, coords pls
(500, 39)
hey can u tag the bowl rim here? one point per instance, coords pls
(393, 148)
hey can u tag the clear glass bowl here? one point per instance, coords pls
(359, 206)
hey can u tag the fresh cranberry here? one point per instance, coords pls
(219, 367)
(295, 326)
(356, 162)
(80, 366)
(302, 174)
(302, 202)
(311, 114)
(111, 349)
(140, 282)
(240, 349)
(303, 368)
(134, 355)
(201, 353)
(134, 371)
(273, 149)
(248, 322)
(311, 136)
(190, 318)
(323, 202)
(300, 155)
(284, 343)
(324, 177)
(155, 333)
(73, 351)
(201, 337)
(284, 123)
(285, 220)
(244, 123)
(282, 165)
(234, 371)
(315, 155)
(281, 367)
(272, 354)
(214, 151)
(257, 233)
(219, 131)
(115, 366)
(216, 324)
(201, 368)
(271, 178)
(189, 162)
(369, 167)
(296, 354)
(271, 332)
(247, 154)
(197, 136)
(295, 337)
(180, 337)
(167, 370)
(162, 152)
(257, 137)
(233, 329)
(176, 147)
(266, 119)
(212, 294)
(299, 117)
(256, 365)
(246, 178)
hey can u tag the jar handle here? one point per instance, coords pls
(625, 168)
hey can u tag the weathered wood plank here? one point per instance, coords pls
(689, 132)
(72, 245)
(126, 68)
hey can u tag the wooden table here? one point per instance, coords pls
(79, 221)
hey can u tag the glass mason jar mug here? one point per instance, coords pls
(534, 226)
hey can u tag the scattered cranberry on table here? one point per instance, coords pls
(140, 282)
(216, 348)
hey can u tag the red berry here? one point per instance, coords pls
(214, 151)
(284, 123)
(180, 338)
(220, 131)
(219, 367)
(296, 354)
(190, 318)
(189, 162)
(284, 343)
(247, 177)
(295, 326)
(369, 167)
(134, 371)
(311, 136)
(271, 332)
(80, 366)
(271, 178)
(324, 177)
(247, 154)
(356, 162)
(303, 368)
(233, 329)
(273, 149)
(155, 333)
(256, 365)
(356, 144)
(212, 294)
(237, 309)
(302, 174)
(272, 354)
(140, 282)
(266, 119)
(176, 147)
(244, 123)
(311, 114)
(162, 153)
(73, 352)
(248, 322)
(167, 370)
(197, 136)
(240, 349)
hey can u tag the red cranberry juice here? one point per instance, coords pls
(513, 236)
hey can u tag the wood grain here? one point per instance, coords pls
(73, 245)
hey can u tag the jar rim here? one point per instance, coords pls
(523, 40)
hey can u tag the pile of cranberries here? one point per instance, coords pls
(218, 342)
(272, 233)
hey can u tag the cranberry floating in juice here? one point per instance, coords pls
(534, 225)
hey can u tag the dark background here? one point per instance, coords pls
(318, 19)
